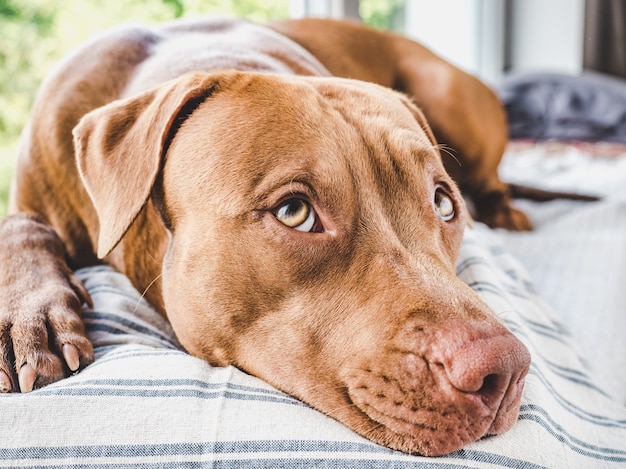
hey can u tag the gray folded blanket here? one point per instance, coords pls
(587, 107)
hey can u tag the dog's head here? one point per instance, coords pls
(313, 240)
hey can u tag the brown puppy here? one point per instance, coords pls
(301, 228)
(465, 115)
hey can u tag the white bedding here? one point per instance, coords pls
(576, 256)
(145, 403)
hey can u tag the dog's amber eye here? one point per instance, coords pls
(444, 205)
(296, 214)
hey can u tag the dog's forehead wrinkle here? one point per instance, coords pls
(397, 154)
(400, 218)
(321, 183)
(312, 150)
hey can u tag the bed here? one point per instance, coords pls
(561, 289)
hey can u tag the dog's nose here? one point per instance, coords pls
(492, 368)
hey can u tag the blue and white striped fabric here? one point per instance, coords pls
(145, 403)
(577, 254)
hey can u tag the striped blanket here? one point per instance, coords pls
(577, 253)
(145, 403)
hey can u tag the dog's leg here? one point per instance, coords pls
(40, 307)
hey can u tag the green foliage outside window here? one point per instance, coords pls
(383, 14)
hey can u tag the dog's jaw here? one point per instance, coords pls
(429, 395)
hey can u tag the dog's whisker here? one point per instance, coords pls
(153, 259)
(339, 408)
(143, 294)
(296, 176)
(504, 314)
(449, 151)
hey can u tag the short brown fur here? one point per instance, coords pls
(175, 177)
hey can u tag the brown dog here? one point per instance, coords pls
(302, 228)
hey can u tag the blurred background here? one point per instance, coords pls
(484, 37)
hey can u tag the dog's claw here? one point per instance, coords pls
(27, 377)
(70, 353)
(5, 383)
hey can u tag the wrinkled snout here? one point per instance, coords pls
(442, 385)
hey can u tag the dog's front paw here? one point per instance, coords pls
(42, 336)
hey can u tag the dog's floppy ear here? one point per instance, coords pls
(120, 149)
